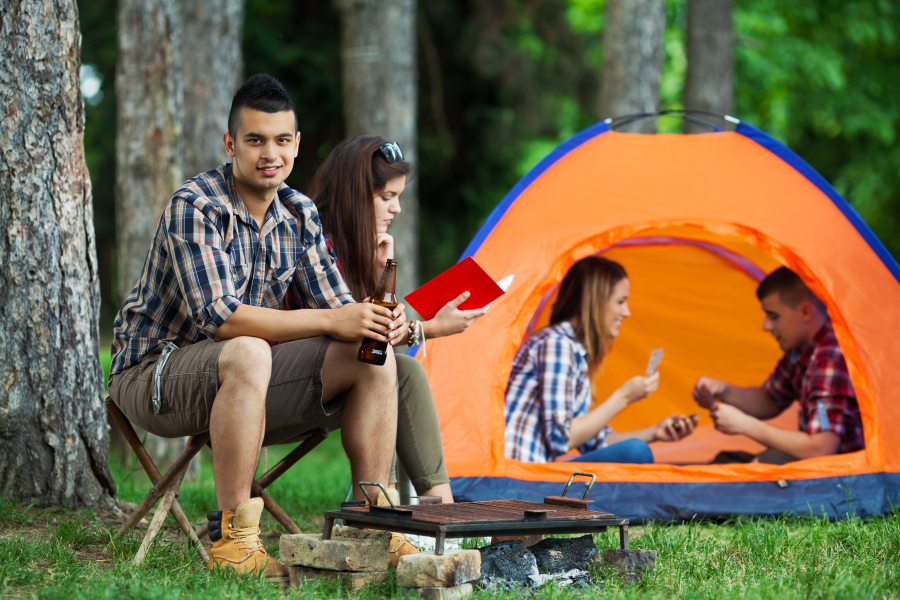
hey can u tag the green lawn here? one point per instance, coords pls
(57, 553)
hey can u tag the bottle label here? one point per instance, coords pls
(376, 351)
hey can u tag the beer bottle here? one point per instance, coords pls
(371, 351)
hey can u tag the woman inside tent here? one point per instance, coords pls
(357, 191)
(548, 396)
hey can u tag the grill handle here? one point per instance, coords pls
(586, 492)
(363, 484)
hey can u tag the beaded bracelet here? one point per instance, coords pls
(416, 334)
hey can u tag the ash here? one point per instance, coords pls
(511, 566)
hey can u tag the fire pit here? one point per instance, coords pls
(556, 515)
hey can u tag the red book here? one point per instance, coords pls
(464, 276)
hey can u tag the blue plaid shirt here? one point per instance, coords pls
(209, 256)
(548, 387)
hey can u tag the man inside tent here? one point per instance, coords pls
(812, 371)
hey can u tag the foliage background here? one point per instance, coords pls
(501, 82)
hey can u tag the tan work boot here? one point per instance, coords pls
(400, 544)
(236, 544)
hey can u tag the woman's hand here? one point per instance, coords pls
(450, 320)
(398, 327)
(673, 428)
(384, 249)
(638, 388)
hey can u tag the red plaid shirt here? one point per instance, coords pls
(816, 376)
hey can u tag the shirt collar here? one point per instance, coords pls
(822, 336)
(566, 328)
(241, 209)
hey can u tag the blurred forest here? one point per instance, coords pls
(501, 82)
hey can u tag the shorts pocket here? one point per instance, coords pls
(146, 369)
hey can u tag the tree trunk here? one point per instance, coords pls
(53, 441)
(212, 70)
(378, 49)
(710, 50)
(632, 60)
(149, 151)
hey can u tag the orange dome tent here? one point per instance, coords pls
(697, 220)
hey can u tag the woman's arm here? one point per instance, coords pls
(587, 426)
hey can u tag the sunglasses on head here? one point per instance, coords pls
(391, 152)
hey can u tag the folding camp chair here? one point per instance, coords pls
(166, 486)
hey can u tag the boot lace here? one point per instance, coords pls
(248, 538)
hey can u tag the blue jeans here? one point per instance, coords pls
(627, 451)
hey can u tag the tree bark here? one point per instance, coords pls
(378, 52)
(213, 70)
(53, 440)
(710, 50)
(632, 60)
(149, 150)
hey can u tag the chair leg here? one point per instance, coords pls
(195, 443)
(158, 519)
(185, 526)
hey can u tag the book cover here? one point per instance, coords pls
(464, 276)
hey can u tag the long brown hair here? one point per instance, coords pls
(343, 189)
(583, 298)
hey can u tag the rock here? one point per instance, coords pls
(507, 560)
(353, 580)
(631, 565)
(439, 593)
(558, 555)
(528, 540)
(354, 533)
(371, 554)
(426, 569)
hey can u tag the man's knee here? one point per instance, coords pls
(246, 358)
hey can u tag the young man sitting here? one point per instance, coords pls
(239, 261)
(812, 371)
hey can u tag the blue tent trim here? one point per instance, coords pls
(801, 166)
(869, 495)
(536, 171)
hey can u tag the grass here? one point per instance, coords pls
(59, 553)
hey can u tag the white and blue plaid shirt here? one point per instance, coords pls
(209, 256)
(548, 387)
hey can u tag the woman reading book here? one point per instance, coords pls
(357, 191)
(548, 395)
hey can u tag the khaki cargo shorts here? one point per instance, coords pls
(189, 381)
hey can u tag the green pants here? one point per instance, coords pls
(419, 447)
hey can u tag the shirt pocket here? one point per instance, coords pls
(278, 286)
(239, 279)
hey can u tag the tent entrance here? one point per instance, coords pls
(693, 294)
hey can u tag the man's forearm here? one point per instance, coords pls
(751, 400)
(275, 325)
(796, 443)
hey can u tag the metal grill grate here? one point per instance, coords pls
(556, 515)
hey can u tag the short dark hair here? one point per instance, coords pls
(261, 92)
(790, 288)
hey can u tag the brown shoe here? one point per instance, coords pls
(400, 544)
(236, 544)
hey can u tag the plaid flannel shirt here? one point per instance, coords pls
(209, 256)
(816, 376)
(548, 387)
